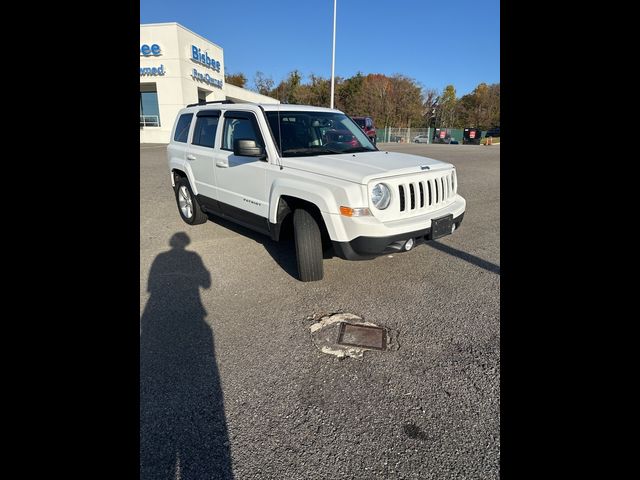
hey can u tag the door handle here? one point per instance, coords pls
(222, 164)
(191, 157)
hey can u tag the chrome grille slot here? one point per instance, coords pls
(421, 186)
(402, 203)
(436, 184)
(430, 194)
(413, 196)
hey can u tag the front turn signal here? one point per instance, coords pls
(355, 212)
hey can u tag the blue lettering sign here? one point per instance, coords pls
(147, 50)
(204, 59)
(152, 71)
(206, 78)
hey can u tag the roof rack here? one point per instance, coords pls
(207, 103)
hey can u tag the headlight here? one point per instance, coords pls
(380, 196)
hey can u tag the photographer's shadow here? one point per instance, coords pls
(183, 431)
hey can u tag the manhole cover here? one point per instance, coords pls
(347, 335)
(362, 336)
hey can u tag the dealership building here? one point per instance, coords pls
(179, 67)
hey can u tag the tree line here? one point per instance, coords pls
(392, 101)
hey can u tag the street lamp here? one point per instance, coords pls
(333, 55)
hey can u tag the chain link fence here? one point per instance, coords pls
(421, 135)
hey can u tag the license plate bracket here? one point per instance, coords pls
(441, 226)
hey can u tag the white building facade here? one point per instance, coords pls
(179, 67)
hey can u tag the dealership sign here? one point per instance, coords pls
(206, 78)
(152, 71)
(150, 50)
(204, 59)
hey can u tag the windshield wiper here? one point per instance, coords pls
(309, 151)
(357, 149)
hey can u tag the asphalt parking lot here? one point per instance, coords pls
(232, 386)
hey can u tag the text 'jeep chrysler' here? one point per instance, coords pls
(263, 166)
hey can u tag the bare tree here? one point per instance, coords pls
(263, 85)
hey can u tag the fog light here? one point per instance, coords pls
(408, 245)
(453, 227)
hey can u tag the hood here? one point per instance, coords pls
(363, 167)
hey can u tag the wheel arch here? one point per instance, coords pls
(183, 171)
(287, 204)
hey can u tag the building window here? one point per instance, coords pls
(182, 129)
(149, 110)
(202, 95)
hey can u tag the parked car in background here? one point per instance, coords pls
(340, 136)
(421, 139)
(471, 136)
(441, 135)
(366, 124)
(493, 132)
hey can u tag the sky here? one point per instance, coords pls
(434, 42)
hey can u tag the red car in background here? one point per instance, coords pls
(341, 136)
(366, 124)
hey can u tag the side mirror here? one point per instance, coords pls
(248, 148)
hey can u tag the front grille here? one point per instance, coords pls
(427, 194)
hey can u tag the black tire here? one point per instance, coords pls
(197, 215)
(375, 140)
(308, 241)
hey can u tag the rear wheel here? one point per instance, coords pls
(188, 205)
(308, 241)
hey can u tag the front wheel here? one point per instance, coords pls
(308, 246)
(188, 205)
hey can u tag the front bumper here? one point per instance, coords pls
(365, 248)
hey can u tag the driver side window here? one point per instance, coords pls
(238, 128)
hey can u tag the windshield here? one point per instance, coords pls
(317, 133)
(360, 121)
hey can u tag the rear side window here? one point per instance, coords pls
(205, 131)
(239, 128)
(182, 129)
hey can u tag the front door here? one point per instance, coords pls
(241, 182)
(200, 156)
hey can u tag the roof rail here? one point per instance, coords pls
(207, 103)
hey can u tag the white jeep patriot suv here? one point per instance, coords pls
(263, 166)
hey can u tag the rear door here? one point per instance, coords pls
(241, 182)
(177, 149)
(200, 156)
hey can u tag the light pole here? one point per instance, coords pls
(333, 55)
